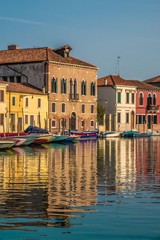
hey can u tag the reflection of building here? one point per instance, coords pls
(49, 181)
(72, 178)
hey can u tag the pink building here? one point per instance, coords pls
(147, 106)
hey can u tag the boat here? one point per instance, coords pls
(19, 141)
(128, 134)
(4, 144)
(42, 135)
(28, 139)
(72, 138)
(87, 135)
(109, 134)
(60, 138)
(142, 134)
(156, 133)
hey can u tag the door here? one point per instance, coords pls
(132, 120)
(149, 122)
(73, 121)
(13, 124)
(32, 120)
(19, 124)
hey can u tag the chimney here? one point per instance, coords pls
(43, 89)
(13, 47)
(63, 51)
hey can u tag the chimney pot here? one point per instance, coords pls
(13, 47)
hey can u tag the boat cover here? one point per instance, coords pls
(32, 129)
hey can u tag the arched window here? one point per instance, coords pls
(63, 85)
(149, 99)
(83, 88)
(93, 89)
(154, 99)
(141, 99)
(83, 108)
(54, 85)
(71, 86)
(75, 86)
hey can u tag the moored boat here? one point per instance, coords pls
(87, 135)
(4, 144)
(59, 138)
(110, 134)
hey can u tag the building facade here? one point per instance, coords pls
(24, 106)
(3, 107)
(118, 97)
(71, 84)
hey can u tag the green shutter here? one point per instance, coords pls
(13, 101)
(119, 97)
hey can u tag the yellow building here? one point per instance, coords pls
(25, 106)
(3, 106)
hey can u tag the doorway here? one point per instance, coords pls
(73, 121)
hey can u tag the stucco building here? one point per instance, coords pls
(118, 97)
(70, 83)
(22, 106)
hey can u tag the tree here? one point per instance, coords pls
(100, 114)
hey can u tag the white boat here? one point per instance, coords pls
(110, 134)
(4, 144)
(156, 133)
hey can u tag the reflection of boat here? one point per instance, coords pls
(4, 144)
(87, 135)
(110, 134)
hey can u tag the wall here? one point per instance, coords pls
(34, 72)
(80, 73)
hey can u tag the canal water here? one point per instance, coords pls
(102, 189)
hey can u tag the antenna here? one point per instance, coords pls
(117, 65)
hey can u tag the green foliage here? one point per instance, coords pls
(100, 114)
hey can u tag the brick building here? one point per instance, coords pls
(70, 83)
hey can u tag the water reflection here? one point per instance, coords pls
(51, 185)
(47, 183)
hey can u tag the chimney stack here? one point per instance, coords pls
(13, 47)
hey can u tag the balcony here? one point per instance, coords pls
(73, 96)
(152, 108)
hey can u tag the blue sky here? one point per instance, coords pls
(97, 30)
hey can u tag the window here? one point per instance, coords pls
(149, 99)
(154, 99)
(119, 117)
(83, 108)
(53, 107)
(54, 85)
(82, 123)
(141, 99)
(119, 97)
(92, 108)
(11, 79)
(26, 102)
(26, 119)
(93, 89)
(63, 107)
(63, 86)
(127, 97)
(32, 120)
(39, 102)
(53, 123)
(133, 98)
(13, 101)
(18, 79)
(127, 117)
(83, 88)
(1, 119)
(92, 123)
(4, 79)
(1, 95)
(140, 119)
(154, 119)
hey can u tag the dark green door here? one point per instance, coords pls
(149, 122)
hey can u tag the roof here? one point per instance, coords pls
(153, 80)
(113, 80)
(20, 88)
(38, 55)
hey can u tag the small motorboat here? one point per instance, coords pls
(4, 143)
(128, 134)
(87, 135)
(109, 134)
(156, 133)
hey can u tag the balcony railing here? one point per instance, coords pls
(152, 108)
(73, 96)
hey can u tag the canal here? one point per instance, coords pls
(102, 189)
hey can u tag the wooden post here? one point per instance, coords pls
(4, 129)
